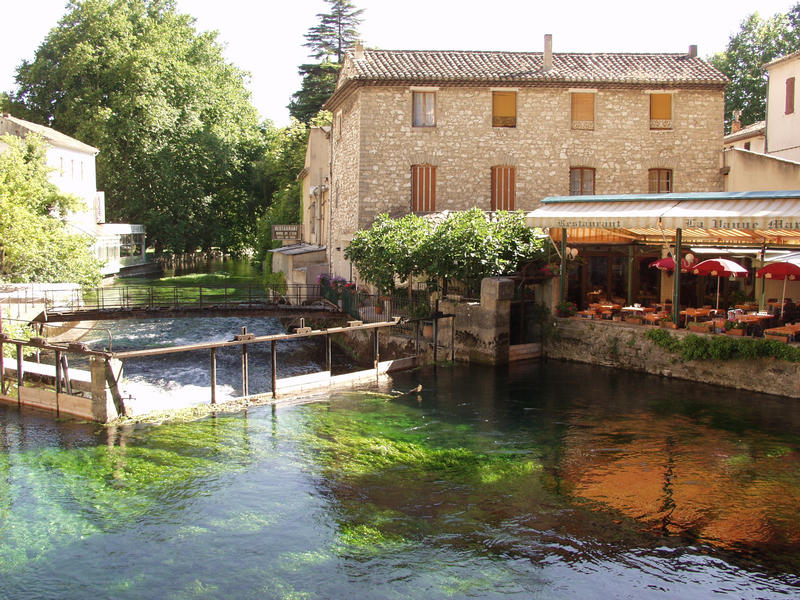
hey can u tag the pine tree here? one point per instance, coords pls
(329, 40)
(337, 31)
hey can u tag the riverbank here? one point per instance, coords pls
(625, 346)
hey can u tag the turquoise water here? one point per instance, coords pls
(536, 481)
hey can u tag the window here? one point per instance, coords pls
(582, 110)
(790, 95)
(747, 145)
(503, 188)
(660, 111)
(424, 109)
(660, 181)
(581, 181)
(423, 188)
(504, 109)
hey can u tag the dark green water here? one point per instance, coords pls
(554, 481)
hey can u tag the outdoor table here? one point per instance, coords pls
(747, 306)
(637, 309)
(698, 312)
(790, 331)
(750, 320)
(586, 314)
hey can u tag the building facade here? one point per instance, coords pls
(427, 131)
(72, 171)
(783, 107)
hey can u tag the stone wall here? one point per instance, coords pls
(345, 169)
(464, 146)
(482, 329)
(625, 346)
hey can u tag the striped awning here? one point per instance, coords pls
(713, 217)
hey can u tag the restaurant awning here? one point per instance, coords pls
(731, 218)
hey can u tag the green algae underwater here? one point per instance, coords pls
(537, 481)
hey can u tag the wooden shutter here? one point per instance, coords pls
(660, 107)
(503, 188)
(423, 188)
(582, 106)
(660, 181)
(790, 95)
(504, 109)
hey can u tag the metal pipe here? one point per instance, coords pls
(562, 295)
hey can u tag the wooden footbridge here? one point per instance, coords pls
(131, 302)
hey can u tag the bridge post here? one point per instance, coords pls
(273, 350)
(19, 374)
(377, 353)
(328, 352)
(58, 380)
(213, 376)
(245, 391)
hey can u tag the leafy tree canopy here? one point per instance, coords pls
(319, 83)
(465, 246)
(35, 246)
(172, 120)
(758, 42)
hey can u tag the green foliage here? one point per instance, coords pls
(172, 120)
(391, 248)
(466, 246)
(319, 83)
(720, 347)
(336, 31)
(758, 42)
(34, 245)
(566, 308)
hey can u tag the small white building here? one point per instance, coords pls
(73, 171)
(783, 107)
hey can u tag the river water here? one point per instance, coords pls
(537, 480)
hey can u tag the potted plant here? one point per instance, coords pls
(566, 309)
(667, 323)
(378, 307)
(734, 328)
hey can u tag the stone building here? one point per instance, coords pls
(783, 107)
(448, 130)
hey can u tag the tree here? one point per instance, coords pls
(172, 120)
(319, 83)
(36, 246)
(758, 42)
(466, 246)
(336, 33)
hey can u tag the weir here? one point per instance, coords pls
(97, 394)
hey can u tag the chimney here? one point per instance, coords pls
(736, 124)
(693, 51)
(547, 64)
(358, 52)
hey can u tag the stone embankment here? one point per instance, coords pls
(625, 346)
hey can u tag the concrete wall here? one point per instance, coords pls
(626, 347)
(750, 171)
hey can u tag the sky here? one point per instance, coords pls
(265, 37)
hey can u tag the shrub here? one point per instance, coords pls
(695, 347)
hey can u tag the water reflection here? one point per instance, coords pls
(556, 481)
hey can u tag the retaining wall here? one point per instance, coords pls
(617, 344)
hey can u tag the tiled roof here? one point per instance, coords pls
(19, 127)
(521, 67)
(757, 128)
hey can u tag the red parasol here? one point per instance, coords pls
(719, 267)
(780, 270)
(668, 264)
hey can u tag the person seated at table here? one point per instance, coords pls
(790, 313)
